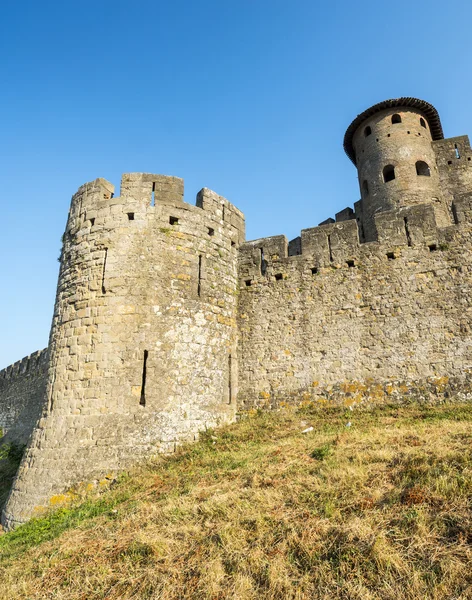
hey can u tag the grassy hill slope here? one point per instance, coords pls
(378, 509)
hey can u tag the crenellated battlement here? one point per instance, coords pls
(147, 196)
(338, 243)
(30, 365)
(22, 387)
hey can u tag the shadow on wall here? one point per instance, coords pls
(10, 458)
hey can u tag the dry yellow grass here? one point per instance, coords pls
(378, 510)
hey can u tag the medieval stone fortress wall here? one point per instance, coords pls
(167, 321)
(142, 351)
(22, 389)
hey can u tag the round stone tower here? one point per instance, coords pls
(142, 352)
(391, 146)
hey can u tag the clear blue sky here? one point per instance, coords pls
(250, 98)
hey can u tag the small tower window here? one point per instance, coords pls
(396, 119)
(423, 169)
(456, 150)
(365, 187)
(389, 173)
(367, 131)
(422, 122)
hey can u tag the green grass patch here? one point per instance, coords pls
(261, 510)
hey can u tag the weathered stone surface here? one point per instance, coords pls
(401, 145)
(143, 336)
(167, 321)
(22, 388)
(376, 313)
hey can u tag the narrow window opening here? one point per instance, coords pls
(389, 173)
(468, 158)
(422, 122)
(153, 194)
(130, 216)
(456, 149)
(230, 391)
(432, 247)
(142, 400)
(391, 255)
(92, 222)
(223, 213)
(367, 131)
(449, 162)
(396, 119)
(248, 282)
(388, 135)
(314, 270)
(173, 220)
(408, 132)
(407, 231)
(199, 287)
(423, 169)
(104, 290)
(211, 231)
(233, 244)
(263, 263)
(365, 187)
(454, 214)
(278, 277)
(351, 263)
(330, 249)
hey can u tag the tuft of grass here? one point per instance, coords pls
(380, 510)
(322, 452)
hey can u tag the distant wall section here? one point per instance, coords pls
(22, 393)
(346, 321)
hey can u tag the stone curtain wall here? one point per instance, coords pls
(22, 388)
(349, 322)
(143, 351)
